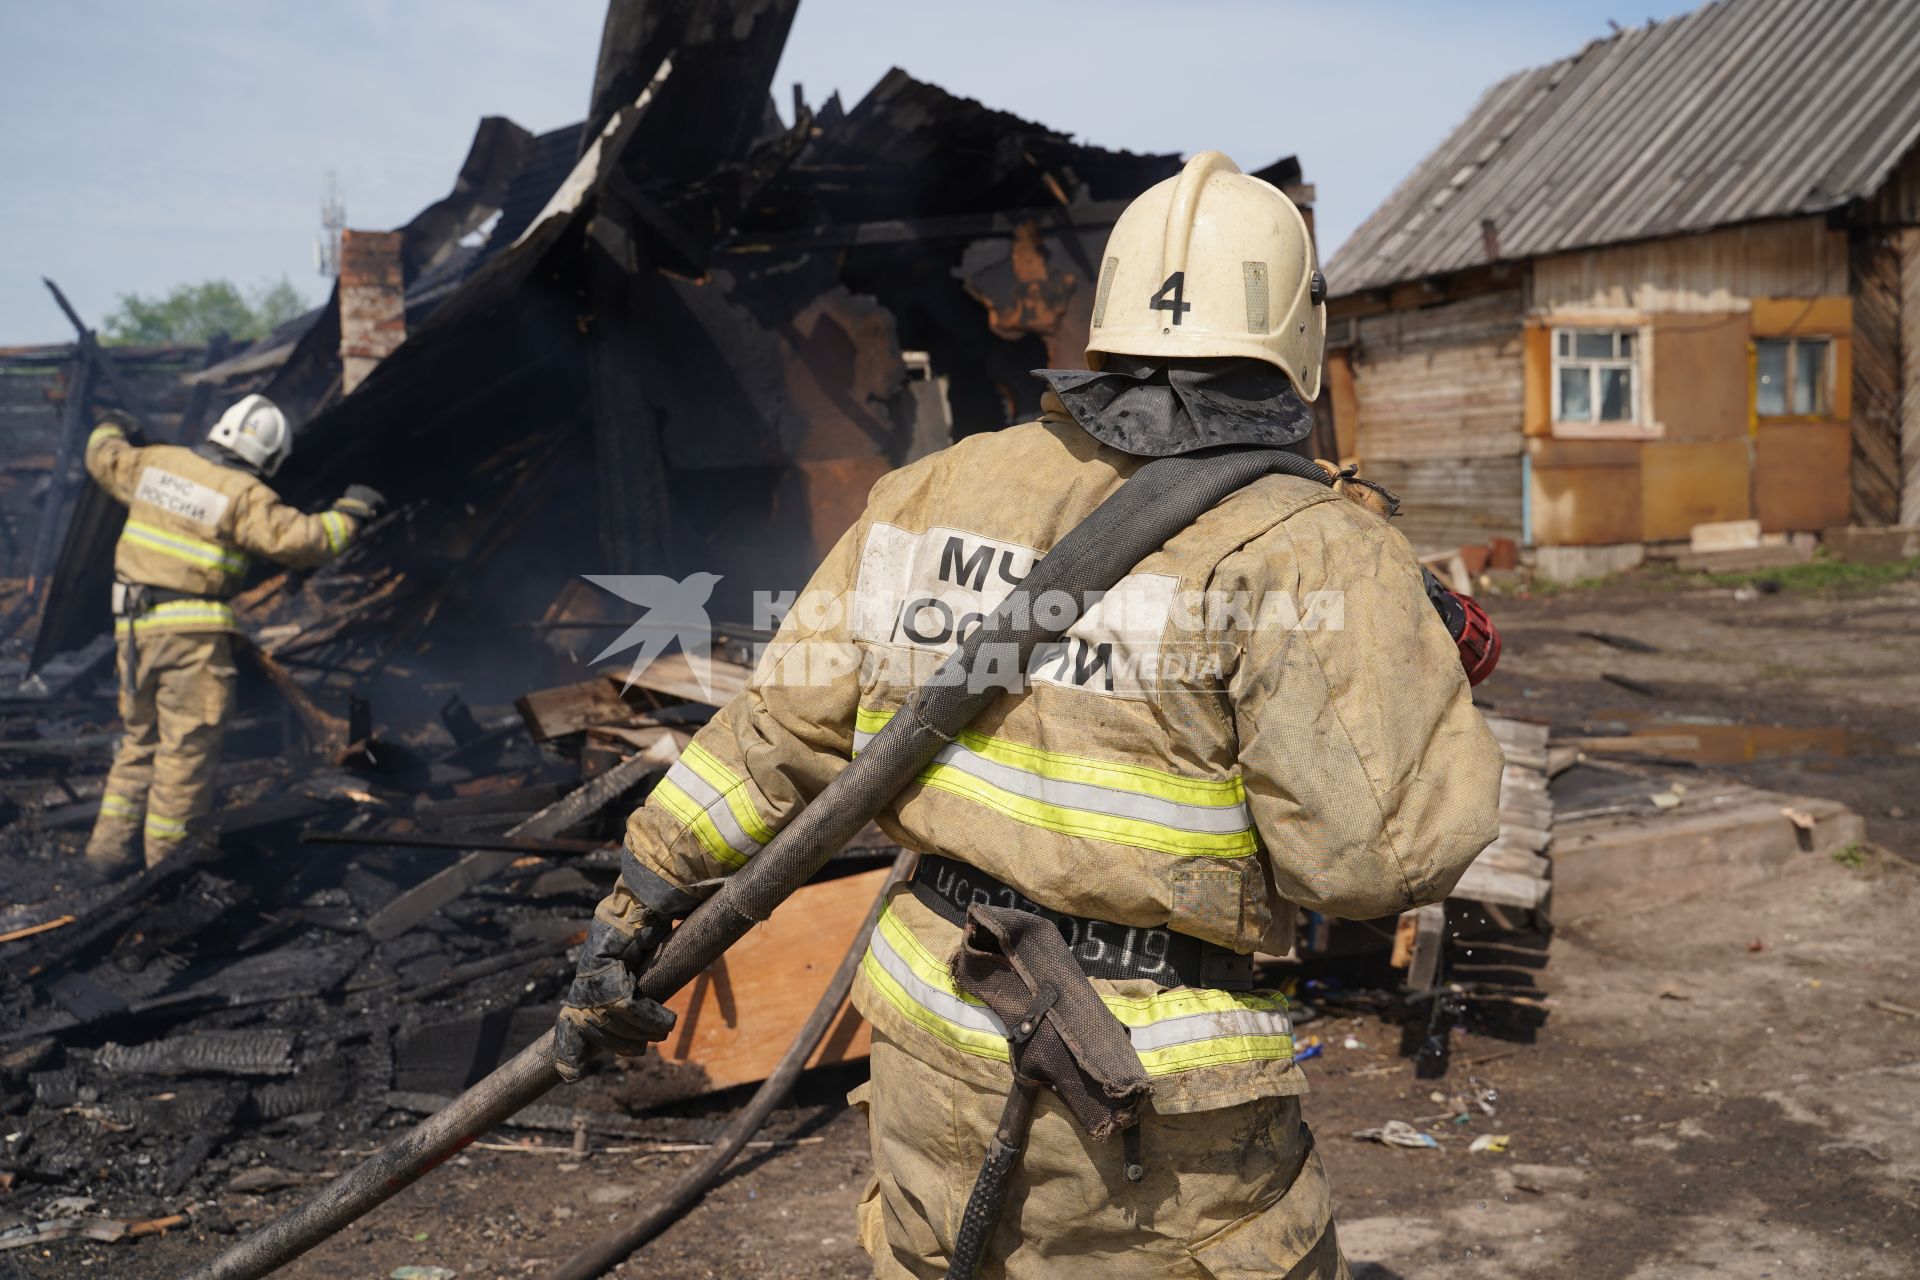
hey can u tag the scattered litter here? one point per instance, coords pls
(1758, 944)
(1397, 1133)
(1352, 1042)
(1309, 1047)
(1665, 800)
(411, 1272)
(1493, 1142)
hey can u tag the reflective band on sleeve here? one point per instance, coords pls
(113, 806)
(180, 546)
(339, 530)
(182, 615)
(101, 432)
(703, 811)
(1177, 1030)
(162, 828)
(731, 787)
(1076, 796)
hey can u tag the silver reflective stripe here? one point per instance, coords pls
(701, 792)
(943, 1004)
(1222, 820)
(1210, 1026)
(1166, 1033)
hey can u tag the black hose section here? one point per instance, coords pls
(1161, 498)
(610, 1250)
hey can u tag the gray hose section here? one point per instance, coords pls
(1159, 500)
(610, 1250)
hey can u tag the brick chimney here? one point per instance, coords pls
(373, 303)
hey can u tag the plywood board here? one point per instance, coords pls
(739, 1016)
(1346, 409)
(1782, 317)
(1700, 376)
(1802, 475)
(1585, 493)
(1539, 379)
(1684, 483)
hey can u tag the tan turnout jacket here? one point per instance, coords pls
(1266, 714)
(192, 523)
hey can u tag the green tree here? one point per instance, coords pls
(193, 313)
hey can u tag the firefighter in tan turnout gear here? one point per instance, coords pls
(1267, 714)
(194, 516)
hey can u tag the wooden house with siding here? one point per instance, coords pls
(1670, 280)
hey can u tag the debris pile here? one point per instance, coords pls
(682, 336)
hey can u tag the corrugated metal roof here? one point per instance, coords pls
(1742, 110)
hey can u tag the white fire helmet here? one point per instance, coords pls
(1212, 263)
(254, 428)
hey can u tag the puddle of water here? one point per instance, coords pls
(1735, 743)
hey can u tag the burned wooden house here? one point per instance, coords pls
(1655, 284)
(684, 334)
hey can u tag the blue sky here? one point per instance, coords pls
(152, 142)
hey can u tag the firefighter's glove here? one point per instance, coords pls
(123, 422)
(361, 501)
(603, 1010)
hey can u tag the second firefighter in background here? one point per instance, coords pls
(195, 516)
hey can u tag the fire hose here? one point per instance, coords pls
(663, 1210)
(1161, 498)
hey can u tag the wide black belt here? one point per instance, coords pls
(1102, 948)
(134, 599)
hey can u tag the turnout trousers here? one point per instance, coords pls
(176, 695)
(1229, 1194)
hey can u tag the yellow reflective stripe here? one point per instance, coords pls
(731, 787)
(103, 430)
(163, 828)
(894, 944)
(1070, 795)
(113, 806)
(1223, 792)
(182, 546)
(695, 819)
(339, 530)
(1080, 822)
(183, 615)
(1177, 1030)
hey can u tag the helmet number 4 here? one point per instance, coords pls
(1169, 296)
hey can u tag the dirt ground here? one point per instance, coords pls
(1727, 1086)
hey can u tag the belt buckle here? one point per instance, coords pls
(1226, 970)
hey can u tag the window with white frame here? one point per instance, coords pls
(1596, 375)
(1793, 377)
